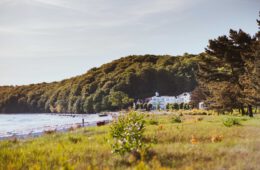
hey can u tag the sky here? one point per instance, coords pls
(50, 40)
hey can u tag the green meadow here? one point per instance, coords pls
(176, 141)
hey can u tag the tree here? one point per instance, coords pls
(220, 70)
(251, 78)
(197, 96)
(106, 104)
(168, 106)
(136, 76)
(158, 107)
(176, 106)
(186, 106)
(88, 105)
(119, 99)
(145, 106)
(181, 105)
(77, 106)
(150, 106)
(97, 107)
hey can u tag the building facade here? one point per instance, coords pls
(160, 102)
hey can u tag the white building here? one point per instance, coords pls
(202, 106)
(162, 101)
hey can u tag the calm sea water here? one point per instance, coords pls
(35, 124)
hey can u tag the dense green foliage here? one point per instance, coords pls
(112, 86)
(176, 106)
(176, 119)
(230, 121)
(228, 73)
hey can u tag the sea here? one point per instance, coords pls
(23, 125)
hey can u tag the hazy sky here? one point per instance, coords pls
(48, 40)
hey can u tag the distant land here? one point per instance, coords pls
(112, 86)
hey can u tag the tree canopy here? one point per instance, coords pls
(112, 86)
(228, 72)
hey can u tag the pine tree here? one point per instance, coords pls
(221, 68)
(197, 96)
(251, 78)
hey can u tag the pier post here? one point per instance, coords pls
(82, 122)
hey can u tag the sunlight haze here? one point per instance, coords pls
(50, 40)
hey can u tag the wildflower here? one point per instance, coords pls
(216, 138)
(193, 140)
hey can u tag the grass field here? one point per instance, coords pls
(197, 142)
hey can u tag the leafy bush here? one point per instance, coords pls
(127, 133)
(74, 139)
(244, 119)
(199, 119)
(230, 121)
(49, 132)
(196, 112)
(153, 122)
(176, 119)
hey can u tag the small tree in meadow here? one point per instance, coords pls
(167, 106)
(181, 105)
(176, 106)
(141, 106)
(137, 106)
(186, 106)
(145, 106)
(158, 106)
(150, 106)
(171, 107)
(127, 134)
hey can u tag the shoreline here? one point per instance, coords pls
(39, 131)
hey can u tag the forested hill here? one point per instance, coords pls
(110, 87)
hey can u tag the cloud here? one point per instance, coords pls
(62, 4)
(91, 32)
(78, 27)
(21, 16)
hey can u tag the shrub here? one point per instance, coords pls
(199, 119)
(167, 106)
(244, 119)
(150, 106)
(127, 134)
(197, 112)
(230, 121)
(176, 106)
(50, 131)
(216, 138)
(145, 106)
(181, 105)
(176, 119)
(13, 140)
(153, 122)
(75, 139)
